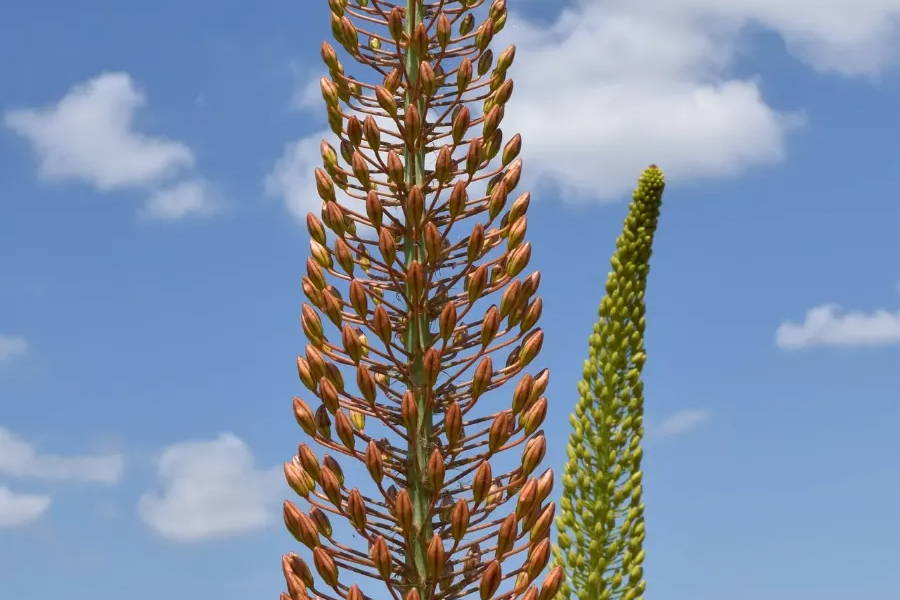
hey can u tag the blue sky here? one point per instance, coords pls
(154, 160)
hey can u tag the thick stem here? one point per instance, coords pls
(417, 338)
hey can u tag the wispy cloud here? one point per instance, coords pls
(827, 325)
(19, 458)
(210, 489)
(191, 197)
(12, 346)
(292, 176)
(17, 510)
(89, 136)
(681, 422)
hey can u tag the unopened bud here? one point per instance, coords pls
(490, 580)
(325, 566)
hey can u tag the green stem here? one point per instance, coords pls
(417, 337)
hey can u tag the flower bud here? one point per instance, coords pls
(460, 124)
(453, 423)
(325, 566)
(541, 526)
(534, 416)
(533, 454)
(387, 246)
(458, 199)
(474, 156)
(372, 133)
(481, 482)
(482, 377)
(459, 519)
(500, 431)
(374, 462)
(490, 580)
(530, 347)
(443, 31)
(431, 363)
(506, 536)
(322, 524)
(330, 485)
(386, 100)
(467, 24)
(381, 556)
(447, 320)
(436, 470)
(518, 259)
(403, 512)
(409, 411)
(434, 243)
(537, 558)
(463, 74)
(477, 281)
(308, 460)
(304, 416)
(545, 485)
(436, 556)
(299, 481)
(344, 429)
(356, 509)
(490, 325)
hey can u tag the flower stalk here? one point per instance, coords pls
(601, 522)
(416, 294)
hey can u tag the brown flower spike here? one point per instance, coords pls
(417, 295)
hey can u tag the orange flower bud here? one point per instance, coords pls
(459, 519)
(490, 580)
(325, 566)
(533, 454)
(365, 382)
(386, 100)
(381, 324)
(344, 429)
(518, 259)
(299, 481)
(354, 593)
(330, 485)
(323, 525)
(541, 527)
(482, 377)
(328, 394)
(481, 482)
(447, 320)
(409, 410)
(500, 431)
(474, 156)
(374, 462)
(477, 281)
(403, 512)
(415, 280)
(476, 243)
(436, 556)
(459, 196)
(299, 567)
(372, 133)
(308, 461)
(506, 536)
(387, 246)
(381, 556)
(304, 416)
(537, 558)
(545, 485)
(527, 499)
(460, 125)
(534, 416)
(453, 423)
(436, 470)
(323, 422)
(490, 326)
(356, 508)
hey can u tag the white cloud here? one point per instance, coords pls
(20, 459)
(210, 489)
(12, 346)
(827, 325)
(17, 510)
(292, 177)
(191, 197)
(89, 136)
(611, 87)
(681, 422)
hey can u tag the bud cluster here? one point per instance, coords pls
(601, 521)
(419, 314)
